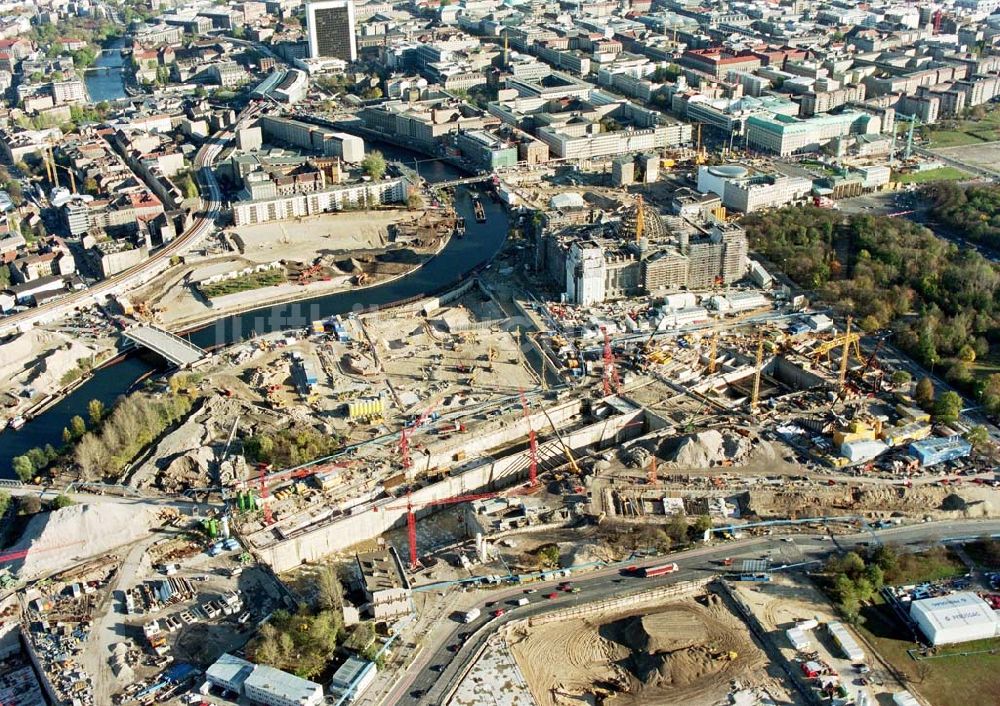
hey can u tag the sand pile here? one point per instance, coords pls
(711, 448)
(57, 540)
(577, 554)
(668, 631)
(48, 373)
(40, 359)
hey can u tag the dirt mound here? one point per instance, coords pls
(57, 540)
(350, 266)
(666, 631)
(710, 448)
(684, 652)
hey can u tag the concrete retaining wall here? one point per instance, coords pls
(369, 521)
(672, 591)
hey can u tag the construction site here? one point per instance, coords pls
(737, 402)
(315, 255)
(689, 648)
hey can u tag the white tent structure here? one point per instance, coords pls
(957, 617)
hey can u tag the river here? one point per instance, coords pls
(105, 80)
(447, 268)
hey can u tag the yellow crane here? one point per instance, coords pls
(845, 352)
(728, 323)
(640, 218)
(50, 169)
(565, 448)
(755, 397)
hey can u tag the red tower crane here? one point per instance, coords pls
(610, 369)
(411, 518)
(532, 446)
(652, 470)
(938, 16)
(19, 554)
(404, 435)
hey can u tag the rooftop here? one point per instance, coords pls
(288, 686)
(381, 570)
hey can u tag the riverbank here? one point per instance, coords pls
(455, 261)
(352, 246)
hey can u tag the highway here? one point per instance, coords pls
(211, 196)
(438, 669)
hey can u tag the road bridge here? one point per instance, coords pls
(177, 350)
(458, 182)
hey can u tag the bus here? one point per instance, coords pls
(647, 572)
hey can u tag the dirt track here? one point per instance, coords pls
(665, 653)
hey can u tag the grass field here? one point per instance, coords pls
(967, 132)
(973, 680)
(257, 280)
(931, 565)
(939, 174)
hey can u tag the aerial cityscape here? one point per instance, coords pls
(500, 353)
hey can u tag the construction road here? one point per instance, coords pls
(446, 657)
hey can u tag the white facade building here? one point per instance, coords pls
(335, 198)
(585, 274)
(273, 687)
(957, 617)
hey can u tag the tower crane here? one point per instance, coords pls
(404, 435)
(844, 353)
(17, 555)
(610, 374)
(755, 397)
(411, 518)
(640, 218)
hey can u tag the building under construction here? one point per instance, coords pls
(445, 471)
(642, 253)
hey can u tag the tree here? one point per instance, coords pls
(330, 592)
(967, 353)
(901, 377)
(374, 165)
(978, 436)
(15, 192)
(189, 187)
(29, 505)
(925, 393)
(61, 501)
(948, 406)
(90, 185)
(701, 525)
(677, 528)
(23, 468)
(77, 426)
(960, 373)
(95, 410)
(414, 201)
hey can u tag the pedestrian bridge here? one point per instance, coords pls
(175, 349)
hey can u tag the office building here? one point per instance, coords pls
(331, 29)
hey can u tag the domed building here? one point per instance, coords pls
(653, 228)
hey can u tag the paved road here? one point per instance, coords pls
(438, 668)
(134, 276)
